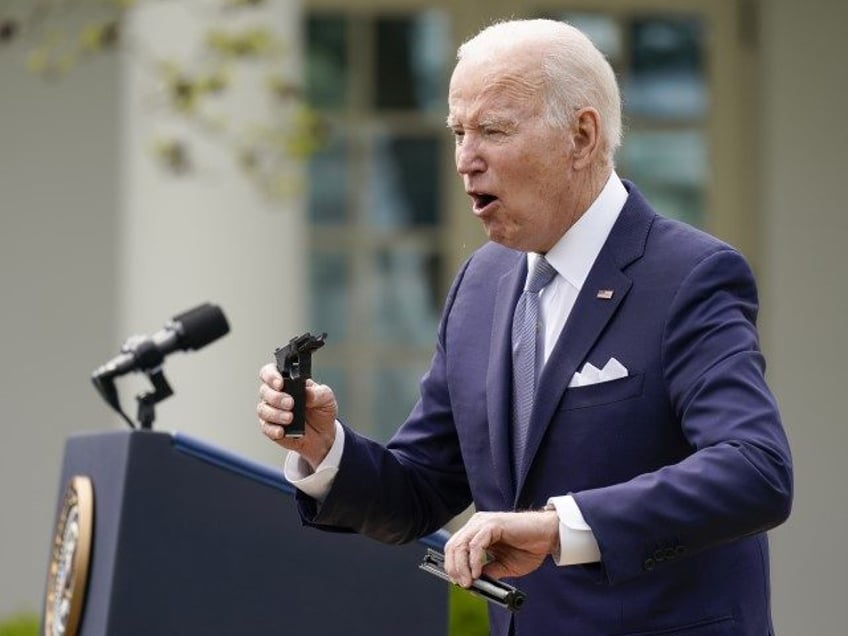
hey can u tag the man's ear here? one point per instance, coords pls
(587, 137)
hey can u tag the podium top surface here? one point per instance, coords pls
(236, 464)
(232, 462)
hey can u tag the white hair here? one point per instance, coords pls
(575, 73)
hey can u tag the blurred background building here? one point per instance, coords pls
(734, 122)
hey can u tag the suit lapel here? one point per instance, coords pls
(586, 322)
(499, 376)
(590, 315)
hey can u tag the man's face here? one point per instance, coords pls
(516, 168)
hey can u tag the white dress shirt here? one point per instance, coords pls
(572, 256)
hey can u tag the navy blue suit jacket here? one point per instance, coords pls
(679, 468)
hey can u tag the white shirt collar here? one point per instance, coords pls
(575, 253)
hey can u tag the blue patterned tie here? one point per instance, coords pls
(527, 341)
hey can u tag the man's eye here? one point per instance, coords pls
(458, 135)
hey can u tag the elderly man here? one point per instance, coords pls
(597, 387)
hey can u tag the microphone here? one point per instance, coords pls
(190, 330)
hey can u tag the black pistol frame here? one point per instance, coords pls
(294, 362)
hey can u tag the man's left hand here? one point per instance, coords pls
(501, 544)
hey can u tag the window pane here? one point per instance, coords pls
(396, 392)
(670, 168)
(411, 56)
(331, 296)
(406, 284)
(666, 79)
(326, 61)
(374, 205)
(405, 182)
(328, 187)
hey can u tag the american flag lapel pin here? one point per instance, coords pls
(605, 294)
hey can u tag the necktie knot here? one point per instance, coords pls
(543, 274)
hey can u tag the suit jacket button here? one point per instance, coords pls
(648, 564)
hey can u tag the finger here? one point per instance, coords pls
(271, 376)
(456, 560)
(272, 432)
(450, 549)
(271, 415)
(279, 400)
(477, 554)
(318, 394)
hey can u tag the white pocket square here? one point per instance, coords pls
(590, 374)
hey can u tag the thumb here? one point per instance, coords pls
(495, 570)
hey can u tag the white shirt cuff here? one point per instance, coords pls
(577, 542)
(315, 484)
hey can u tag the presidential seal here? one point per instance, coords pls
(68, 572)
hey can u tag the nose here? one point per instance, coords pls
(469, 159)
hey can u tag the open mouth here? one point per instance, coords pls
(482, 201)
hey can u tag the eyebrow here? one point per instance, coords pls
(497, 122)
(486, 122)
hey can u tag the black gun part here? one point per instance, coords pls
(485, 587)
(294, 362)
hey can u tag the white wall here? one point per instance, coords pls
(804, 102)
(211, 235)
(58, 183)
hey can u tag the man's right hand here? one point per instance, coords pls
(275, 413)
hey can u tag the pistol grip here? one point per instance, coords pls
(296, 387)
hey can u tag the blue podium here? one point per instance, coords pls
(161, 534)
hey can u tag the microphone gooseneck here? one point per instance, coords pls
(188, 331)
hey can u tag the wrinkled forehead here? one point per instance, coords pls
(495, 82)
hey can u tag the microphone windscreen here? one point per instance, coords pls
(201, 325)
